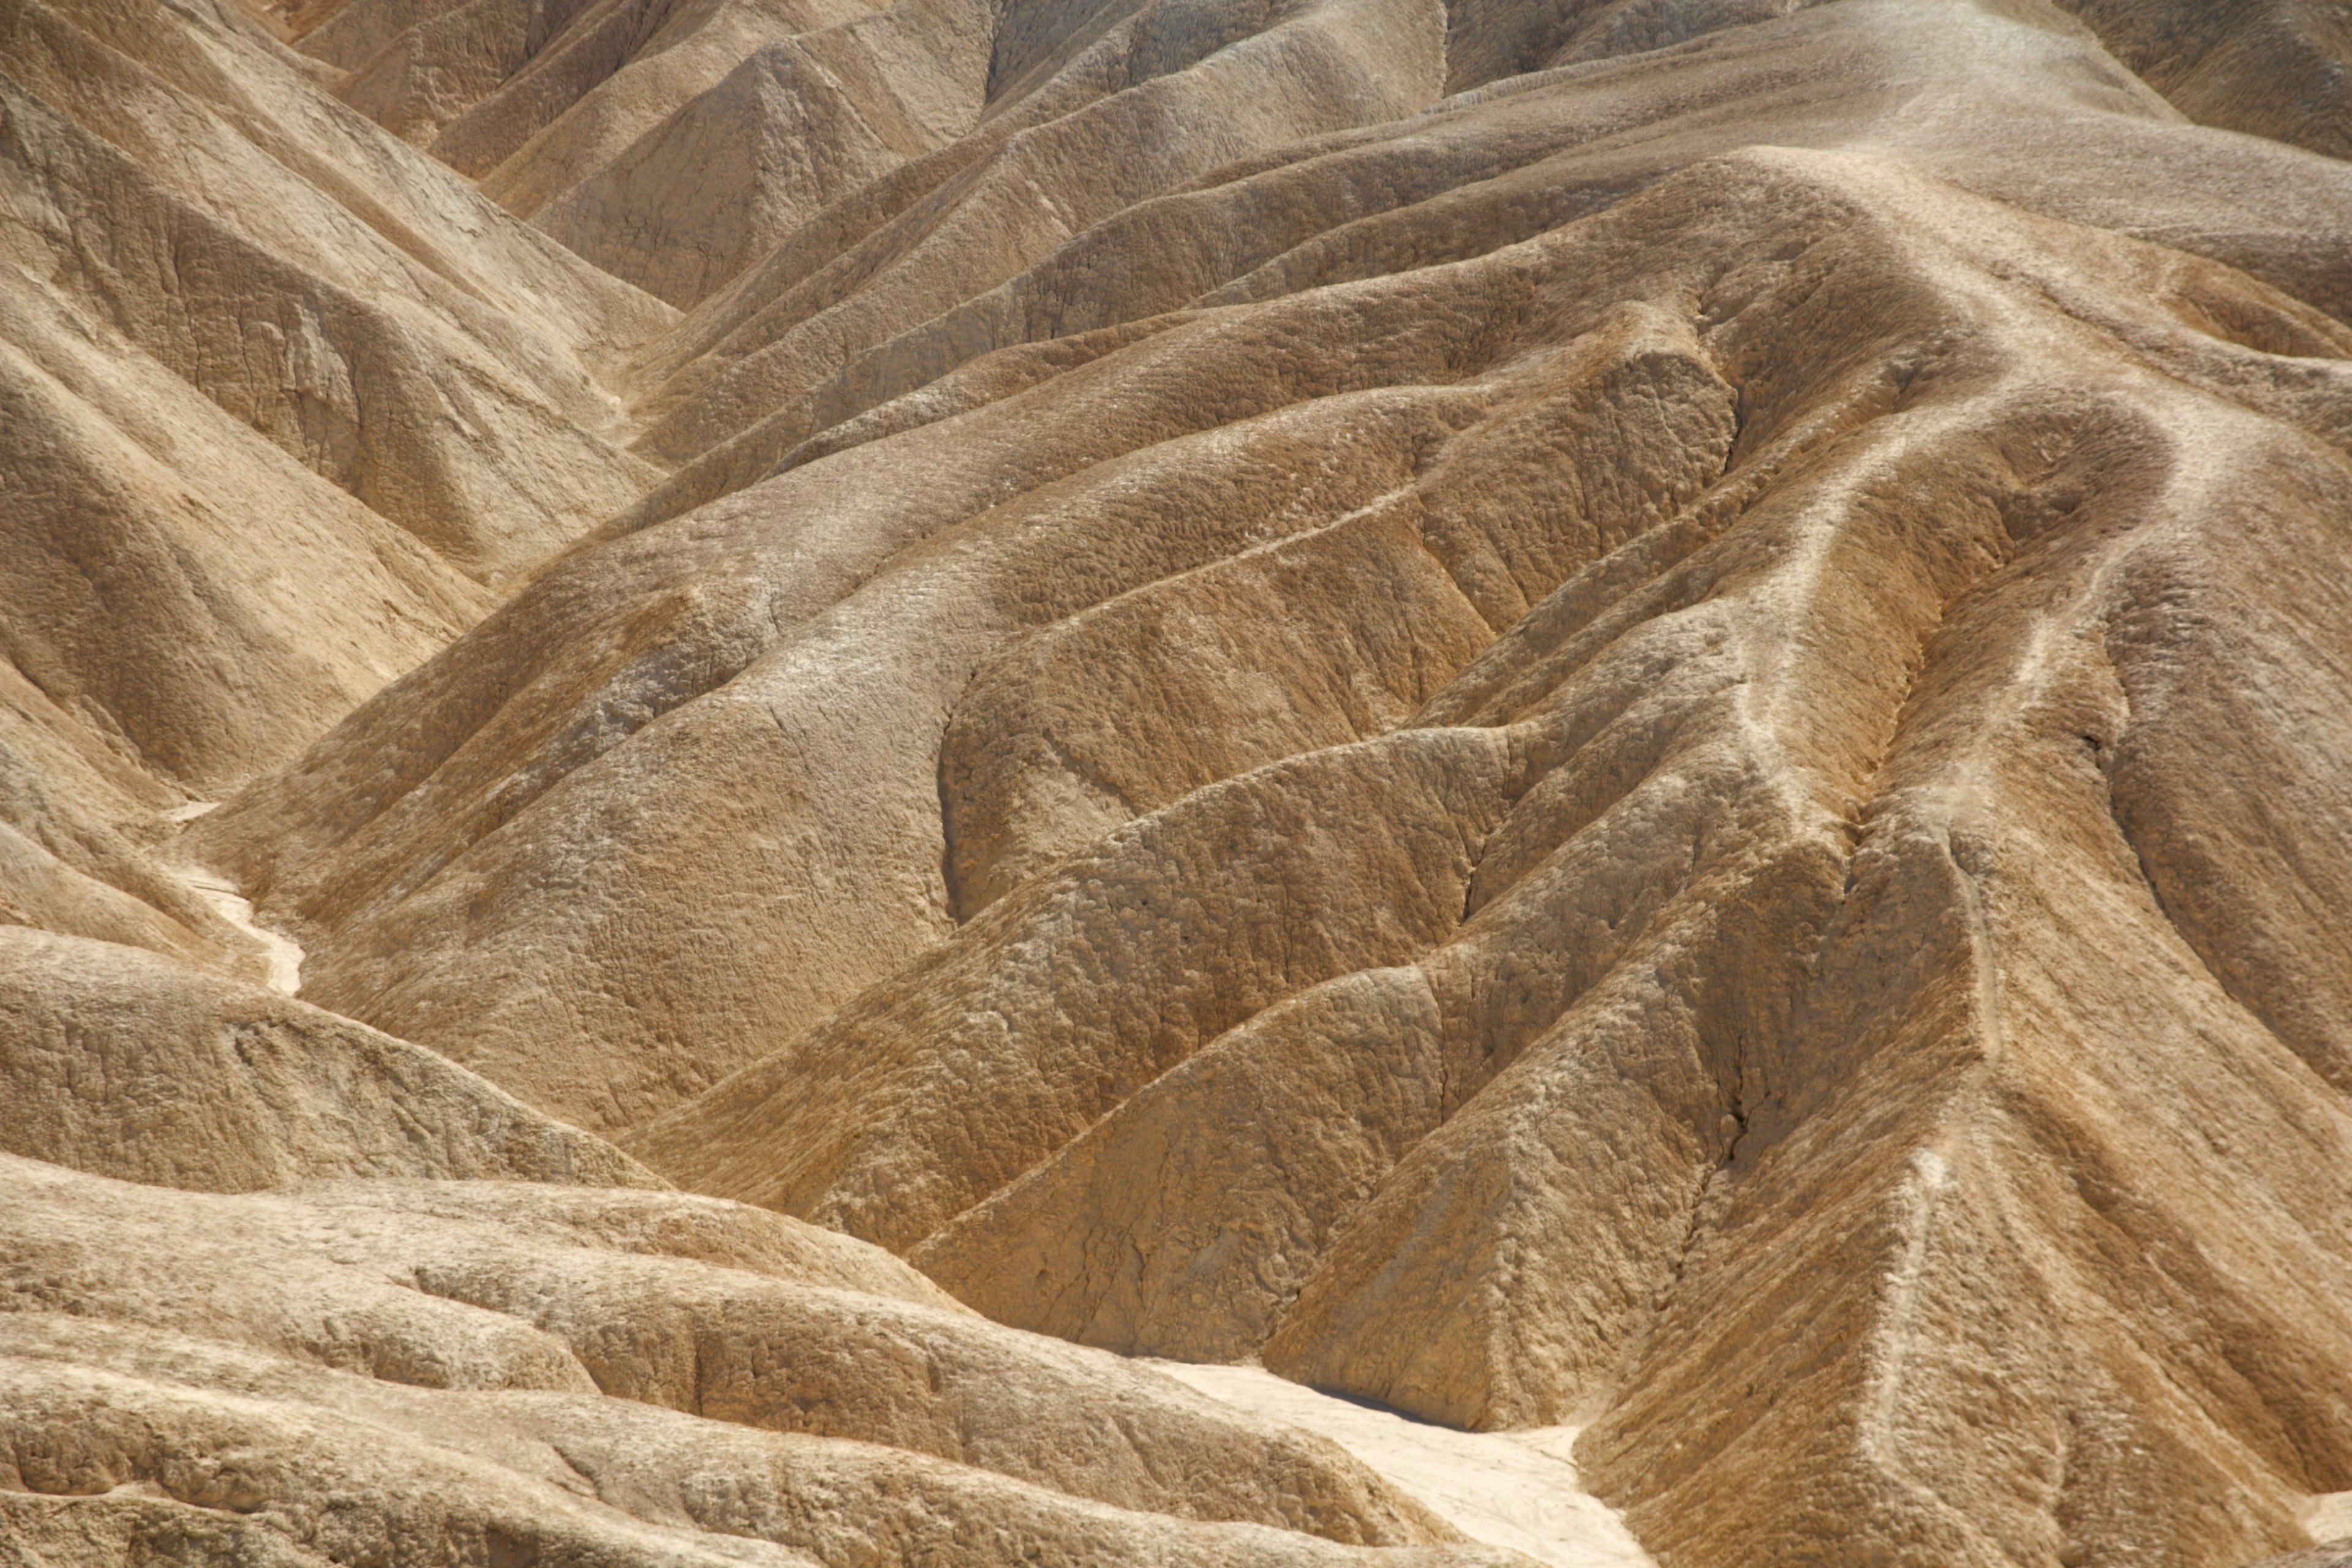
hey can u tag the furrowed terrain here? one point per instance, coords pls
(744, 743)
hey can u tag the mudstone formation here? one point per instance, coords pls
(818, 781)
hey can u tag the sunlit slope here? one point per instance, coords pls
(1622, 716)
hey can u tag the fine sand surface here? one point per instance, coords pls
(282, 956)
(1517, 1488)
(2329, 1517)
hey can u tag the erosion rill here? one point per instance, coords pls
(1423, 782)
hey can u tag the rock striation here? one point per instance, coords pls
(346, 1369)
(120, 1062)
(1620, 720)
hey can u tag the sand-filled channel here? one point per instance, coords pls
(1517, 1489)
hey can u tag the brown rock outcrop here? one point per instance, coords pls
(119, 1062)
(179, 188)
(2271, 67)
(1626, 722)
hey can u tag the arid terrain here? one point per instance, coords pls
(1322, 784)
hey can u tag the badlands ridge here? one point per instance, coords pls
(750, 748)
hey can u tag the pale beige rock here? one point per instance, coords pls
(190, 1445)
(1626, 717)
(179, 1340)
(83, 842)
(1517, 1489)
(1482, 170)
(329, 296)
(1144, 1234)
(183, 586)
(2326, 1555)
(692, 163)
(1137, 114)
(1111, 528)
(597, 86)
(209, 273)
(115, 1061)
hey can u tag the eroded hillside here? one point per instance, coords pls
(1624, 722)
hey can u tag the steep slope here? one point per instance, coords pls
(2271, 67)
(682, 208)
(144, 530)
(331, 298)
(287, 405)
(1619, 717)
(2330, 1554)
(837, 521)
(124, 1064)
(1439, 816)
(84, 839)
(754, 374)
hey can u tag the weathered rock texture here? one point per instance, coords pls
(1622, 713)
(2272, 67)
(352, 1370)
(120, 1062)
(2328, 1554)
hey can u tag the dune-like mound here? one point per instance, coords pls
(358, 1369)
(1600, 749)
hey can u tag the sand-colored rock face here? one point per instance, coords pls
(1619, 723)
(350, 1367)
(122, 1063)
(172, 195)
(2272, 67)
